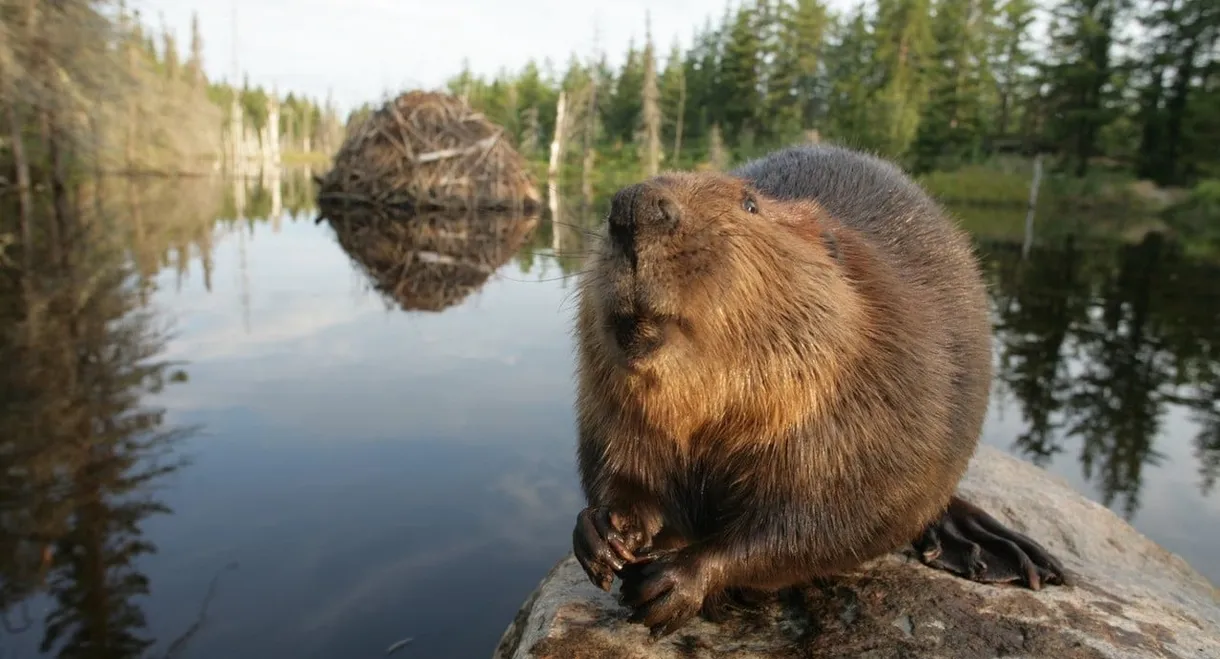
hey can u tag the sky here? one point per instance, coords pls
(360, 49)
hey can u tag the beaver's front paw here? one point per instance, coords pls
(666, 590)
(603, 542)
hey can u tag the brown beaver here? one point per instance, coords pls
(783, 372)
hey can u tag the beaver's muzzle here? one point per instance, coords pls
(638, 212)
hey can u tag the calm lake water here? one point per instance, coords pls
(376, 453)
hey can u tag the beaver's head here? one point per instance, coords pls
(699, 266)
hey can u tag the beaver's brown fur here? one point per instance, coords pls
(783, 371)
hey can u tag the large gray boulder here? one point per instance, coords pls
(1131, 598)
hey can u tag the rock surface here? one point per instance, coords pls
(1131, 598)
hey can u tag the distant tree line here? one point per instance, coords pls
(86, 86)
(305, 124)
(1133, 84)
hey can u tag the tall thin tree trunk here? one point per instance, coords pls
(558, 143)
(586, 179)
(652, 114)
(59, 188)
(25, 205)
(586, 173)
(681, 116)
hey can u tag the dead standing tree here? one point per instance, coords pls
(652, 106)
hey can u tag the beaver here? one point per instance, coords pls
(782, 372)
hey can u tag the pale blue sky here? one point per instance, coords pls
(359, 48)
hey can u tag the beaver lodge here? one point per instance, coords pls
(428, 151)
(428, 261)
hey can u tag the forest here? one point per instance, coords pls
(1098, 86)
(91, 87)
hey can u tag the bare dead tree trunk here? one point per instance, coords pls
(1034, 184)
(652, 111)
(59, 191)
(586, 173)
(44, 69)
(681, 116)
(586, 179)
(129, 145)
(23, 188)
(95, 128)
(558, 143)
(716, 152)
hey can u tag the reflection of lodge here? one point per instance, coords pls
(429, 261)
(1097, 342)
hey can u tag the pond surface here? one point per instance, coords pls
(374, 454)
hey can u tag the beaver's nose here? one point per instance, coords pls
(643, 208)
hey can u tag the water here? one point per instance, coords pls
(359, 473)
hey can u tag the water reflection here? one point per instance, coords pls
(382, 474)
(430, 261)
(1097, 343)
(79, 447)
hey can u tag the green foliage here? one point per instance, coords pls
(1197, 218)
(985, 185)
(934, 84)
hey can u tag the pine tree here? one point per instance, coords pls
(852, 82)
(1183, 35)
(960, 84)
(194, 63)
(1080, 73)
(805, 37)
(1011, 60)
(739, 83)
(783, 100)
(673, 98)
(903, 45)
(622, 115)
(702, 85)
(170, 57)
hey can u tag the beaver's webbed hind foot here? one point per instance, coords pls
(972, 544)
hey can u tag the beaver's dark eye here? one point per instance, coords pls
(749, 205)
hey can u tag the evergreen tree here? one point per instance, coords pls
(805, 38)
(673, 91)
(1182, 43)
(194, 63)
(739, 83)
(784, 69)
(170, 58)
(1080, 73)
(702, 74)
(622, 115)
(960, 84)
(1011, 61)
(852, 82)
(903, 38)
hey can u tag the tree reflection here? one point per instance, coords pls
(567, 236)
(1037, 307)
(78, 446)
(1096, 345)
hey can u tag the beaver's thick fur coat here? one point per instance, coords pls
(783, 371)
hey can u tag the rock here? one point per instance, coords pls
(1131, 598)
